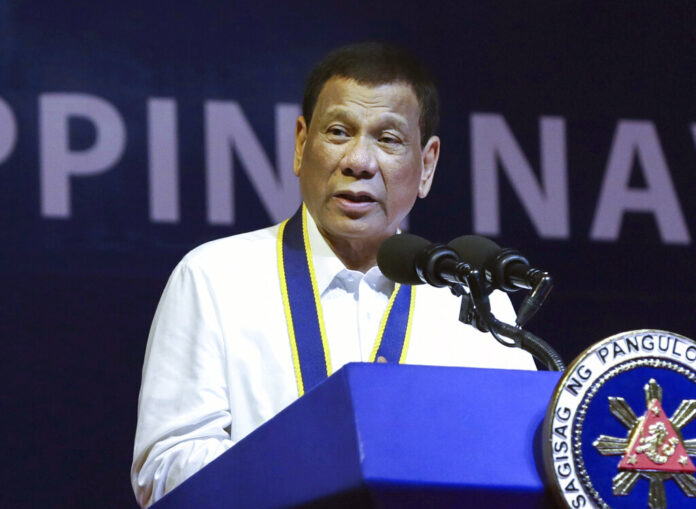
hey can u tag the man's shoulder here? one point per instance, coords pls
(249, 247)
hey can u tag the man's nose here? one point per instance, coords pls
(360, 160)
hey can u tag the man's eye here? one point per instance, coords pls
(337, 131)
(389, 139)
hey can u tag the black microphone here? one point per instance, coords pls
(505, 269)
(413, 260)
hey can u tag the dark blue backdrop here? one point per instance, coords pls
(82, 280)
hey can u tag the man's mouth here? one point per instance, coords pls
(355, 198)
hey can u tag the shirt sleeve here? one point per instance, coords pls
(183, 410)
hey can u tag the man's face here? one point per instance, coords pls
(360, 162)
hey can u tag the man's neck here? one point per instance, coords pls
(355, 254)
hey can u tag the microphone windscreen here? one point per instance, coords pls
(474, 249)
(396, 257)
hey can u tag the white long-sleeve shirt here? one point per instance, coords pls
(218, 361)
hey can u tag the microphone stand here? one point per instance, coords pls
(476, 310)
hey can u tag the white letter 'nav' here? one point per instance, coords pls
(58, 163)
(546, 204)
(227, 128)
(658, 197)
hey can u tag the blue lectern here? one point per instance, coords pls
(384, 435)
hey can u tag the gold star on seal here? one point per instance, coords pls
(626, 479)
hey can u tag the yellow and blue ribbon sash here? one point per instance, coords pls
(303, 312)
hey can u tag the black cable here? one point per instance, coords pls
(527, 341)
(479, 314)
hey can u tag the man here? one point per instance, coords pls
(248, 323)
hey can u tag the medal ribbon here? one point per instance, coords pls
(304, 317)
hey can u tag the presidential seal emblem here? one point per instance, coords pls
(620, 431)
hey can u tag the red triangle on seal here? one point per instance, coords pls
(655, 446)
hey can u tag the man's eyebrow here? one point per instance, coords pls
(388, 119)
(338, 113)
(393, 119)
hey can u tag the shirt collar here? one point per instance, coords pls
(327, 266)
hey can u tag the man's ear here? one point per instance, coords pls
(430, 155)
(300, 140)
